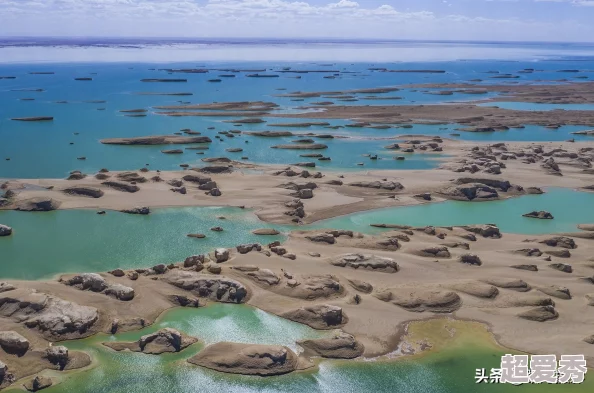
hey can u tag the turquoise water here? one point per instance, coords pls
(43, 149)
(530, 106)
(224, 322)
(569, 207)
(449, 370)
(44, 244)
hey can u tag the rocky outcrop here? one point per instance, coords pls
(88, 281)
(221, 255)
(38, 204)
(509, 283)
(53, 317)
(502, 185)
(270, 134)
(384, 185)
(529, 252)
(560, 241)
(13, 343)
(471, 259)
(562, 267)
(58, 355)
(118, 186)
(556, 291)
(220, 289)
(266, 232)
(361, 286)
(559, 253)
(470, 192)
(302, 146)
(84, 191)
(5, 287)
(143, 210)
(321, 316)
(340, 346)
(120, 292)
(540, 314)
(157, 140)
(215, 169)
(487, 230)
(247, 359)
(162, 341)
(321, 238)
(245, 248)
(434, 252)
(38, 383)
(477, 289)
(265, 277)
(422, 300)
(542, 215)
(95, 283)
(5, 230)
(366, 262)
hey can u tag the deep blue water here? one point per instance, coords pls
(45, 149)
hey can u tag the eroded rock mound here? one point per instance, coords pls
(540, 314)
(5, 230)
(341, 346)
(541, 215)
(487, 230)
(162, 341)
(13, 343)
(52, 316)
(556, 291)
(321, 316)
(366, 262)
(560, 241)
(470, 192)
(434, 252)
(247, 359)
(361, 286)
(123, 187)
(221, 289)
(384, 185)
(477, 289)
(509, 283)
(38, 204)
(423, 300)
(321, 238)
(84, 191)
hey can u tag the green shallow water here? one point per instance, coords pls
(45, 244)
(569, 207)
(447, 371)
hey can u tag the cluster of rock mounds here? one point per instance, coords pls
(95, 283)
(483, 189)
(162, 341)
(216, 288)
(489, 159)
(53, 317)
(366, 262)
(290, 172)
(305, 286)
(410, 146)
(55, 357)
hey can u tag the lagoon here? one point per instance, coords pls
(45, 244)
(460, 348)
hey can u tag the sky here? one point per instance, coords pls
(499, 20)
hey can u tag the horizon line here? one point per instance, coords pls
(284, 39)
